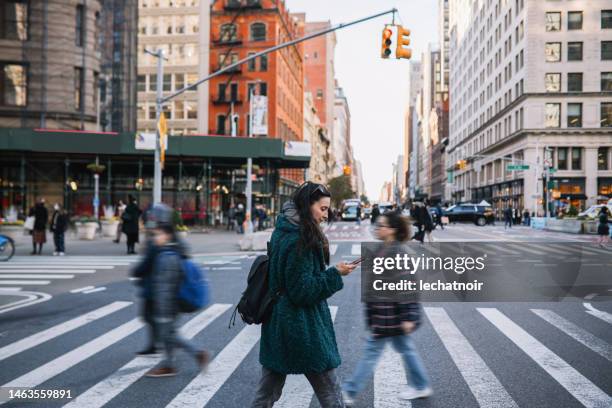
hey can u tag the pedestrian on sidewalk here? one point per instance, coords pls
(240, 217)
(428, 224)
(120, 210)
(603, 229)
(131, 224)
(439, 214)
(58, 226)
(161, 274)
(375, 214)
(39, 233)
(391, 322)
(298, 337)
(231, 217)
(508, 216)
(359, 214)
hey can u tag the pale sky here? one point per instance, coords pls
(376, 89)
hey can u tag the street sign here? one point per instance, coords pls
(513, 167)
(96, 202)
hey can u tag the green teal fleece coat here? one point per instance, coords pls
(299, 336)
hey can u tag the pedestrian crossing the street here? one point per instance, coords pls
(485, 379)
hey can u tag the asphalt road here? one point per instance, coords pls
(493, 354)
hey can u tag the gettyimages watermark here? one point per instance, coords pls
(484, 272)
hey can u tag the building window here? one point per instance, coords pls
(153, 83)
(141, 83)
(574, 115)
(552, 114)
(574, 51)
(80, 32)
(553, 21)
(179, 81)
(78, 88)
(552, 82)
(602, 158)
(319, 94)
(221, 96)
(576, 158)
(562, 158)
(179, 110)
(263, 89)
(220, 124)
(553, 52)
(152, 112)
(251, 64)
(225, 60)
(13, 84)
(167, 83)
(574, 82)
(263, 63)
(250, 90)
(228, 33)
(192, 110)
(606, 18)
(606, 81)
(606, 50)
(258, 32)
(606, 114)
(234, 92)
(14, 20)
(574, 20)
(96, 87)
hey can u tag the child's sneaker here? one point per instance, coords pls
(412, 393)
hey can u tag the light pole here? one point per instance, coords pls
(157, 171)
(249, 181)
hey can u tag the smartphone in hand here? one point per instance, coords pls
(357, 261)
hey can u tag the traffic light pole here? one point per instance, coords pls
(157, 171)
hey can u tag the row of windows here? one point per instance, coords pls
(168, 3)
(552, 115)
(171, 82)
(169, 25)
(229, 32)
(574, 20)
(177, 110)
(553, 51)
(178, 54)
(552, 82)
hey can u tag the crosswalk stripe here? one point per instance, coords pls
(46, 271)
(297, 391)
(525, 248)
(33, 276)
(575, 383)
(356, 249)
(501, 248)
(345, 227)
(110, 387)
(600, 314)
(74, 357)
(389, 379)
(333, 227)
(94, 290)
(57, 330)
(203, 387)
(485, 386)
(30, 266)
(587, 339)
(24, 282)
(332, 249)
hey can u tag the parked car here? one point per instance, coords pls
(478, 214)
(384, 207)
(593, 211)
(349, 213)
(366, 212)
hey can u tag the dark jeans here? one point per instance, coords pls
(508, 222)
(325, 385)
(132, 238)
(147, 316)
(58, 240)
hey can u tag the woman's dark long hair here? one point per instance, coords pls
(399, 225)
(311, 236)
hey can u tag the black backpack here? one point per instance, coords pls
(257, 301)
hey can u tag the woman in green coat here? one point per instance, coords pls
(299, 337)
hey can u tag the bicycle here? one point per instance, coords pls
(7, 248)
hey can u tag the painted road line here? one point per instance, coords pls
(94, 290)
(74, 357)
(524, 248)
(31, 266)
(297, 391)
(33, 276)
(582, 336)
(24, 282)
(356, 249)
(600, 314)
(575, 383)
(345, 227)
(226, 268)
(46, 271)
(203, 387)
(31, 298)
(110, 387)
(82, 289)
(484, 385)
(11, 288)
(57, 330)
(389, 380)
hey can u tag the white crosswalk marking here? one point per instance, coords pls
(589, 340)
(109, 388)
(297, 391)
(600, 314)
(345, 227)
(501, 248)
(356, 249)
(46, 271)
(25, 282)
(575, 383)
(57, 330)
(72, 358)
(33, 276)
(71, 266)
(332, 249)
(485, 386)
(389, 380)
(202, 388)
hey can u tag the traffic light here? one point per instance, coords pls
(346, 170)
(403, 39)
(387, 33)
